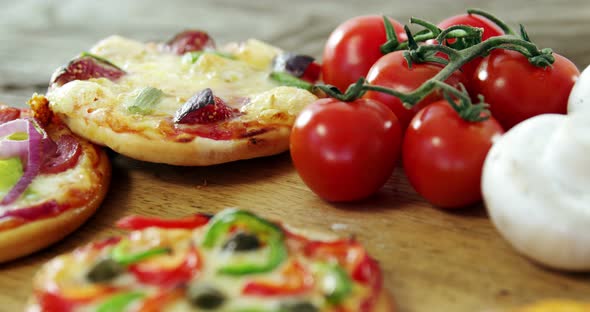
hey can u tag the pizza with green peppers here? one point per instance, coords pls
(51, 181)
(234, 261)
(184, 101)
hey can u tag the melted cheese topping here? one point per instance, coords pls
(242, 82)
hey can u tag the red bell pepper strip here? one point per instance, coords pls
(354, 257)
(347, 252)
(51, 302)
(296, 280)
(68, 299)
(368, 273)
(169, 277)
(141, 222)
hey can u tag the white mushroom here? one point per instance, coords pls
(536, 187)
(579, 100)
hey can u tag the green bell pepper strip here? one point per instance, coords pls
(119, 302)
(120, 255)
(335, 282)
(11, 170)
(220, 225)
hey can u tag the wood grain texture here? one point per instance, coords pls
(433, 260)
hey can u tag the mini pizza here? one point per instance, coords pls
(184, 102)
(51, 180)
(234, 261)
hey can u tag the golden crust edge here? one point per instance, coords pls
(198, 152)
(384, 304)
(34, 236)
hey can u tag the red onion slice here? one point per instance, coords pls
(9, 149)
(13, 126)
(33, 164)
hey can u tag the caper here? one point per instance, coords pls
(205, 297)
(104, 270)
(242, 241)
(300, 306)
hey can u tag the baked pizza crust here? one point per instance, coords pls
(197, 152)
(385, 304)
(33, 236)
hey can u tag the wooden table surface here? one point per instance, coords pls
(433, 260)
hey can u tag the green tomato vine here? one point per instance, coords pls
(467, 45)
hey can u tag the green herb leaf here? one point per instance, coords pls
(145, 101)
(100, 59)
(290, 80)
(193, 57)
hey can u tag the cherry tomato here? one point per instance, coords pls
(345, 151)
(517, 90)
(392, 71)
(443, 155)
(490, 29)
(353, 47)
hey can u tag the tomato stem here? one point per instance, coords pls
(466, 47)
(459, 58)
(430, 31)
(466, 110)
(470, 36)
(505, 28)
(392, 42)
(433, 29)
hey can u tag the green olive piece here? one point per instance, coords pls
(205, 297)
(104, 271)
(301, 306)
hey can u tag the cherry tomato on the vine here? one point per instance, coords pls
(443, 155)
(392, 71)
(517, 90)
(353, 47)
(490, 29)
(345, 151)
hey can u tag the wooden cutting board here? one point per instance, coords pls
(433, 260)
(454, 261)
